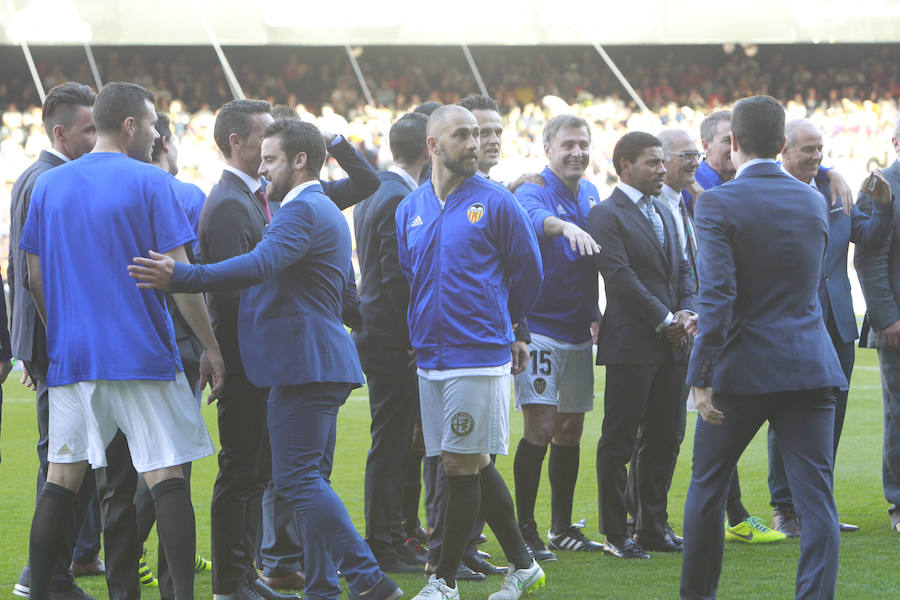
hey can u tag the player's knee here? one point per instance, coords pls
(568, 429)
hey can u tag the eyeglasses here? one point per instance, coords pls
(698, 156)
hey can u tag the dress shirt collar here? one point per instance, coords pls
(59, 154)
(404, 175)
(251, 182)
(632, 192)
(483, 174)
(296, 191)
(671, 196)
(751, 162)
(811, 183)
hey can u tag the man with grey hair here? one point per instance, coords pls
(879, 276)
(557, 387)
(801, 157)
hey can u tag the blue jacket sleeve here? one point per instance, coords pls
(362, 180)
(530, 197)
(286, 241)
(718, 288)
(870, 226)
(522, 257)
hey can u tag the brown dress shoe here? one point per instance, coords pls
(95, 567)
(293, 581)
(787, 522)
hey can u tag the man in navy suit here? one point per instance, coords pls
(293, 341)
(642, 341)
(384, 348)
(763, 351)
(69, 123)
(801, 157)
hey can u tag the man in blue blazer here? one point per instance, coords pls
(763, 351)
(801, 157)
(293, 341)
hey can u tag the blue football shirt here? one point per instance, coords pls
(192, 198)
(86, 221)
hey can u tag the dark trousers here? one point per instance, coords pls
(631, 491)
(116, 485)
(778, 485)
(281, 549)
(83, 543)
(889, 363)
(642, 409)
(244, 470)
(804, 426)
(302, 429)
(393, 397)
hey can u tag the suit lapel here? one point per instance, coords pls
(633, 214)
(251, 198)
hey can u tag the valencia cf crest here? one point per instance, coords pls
(462, 423)
(540, 384)
(592, 202)
(475, 212)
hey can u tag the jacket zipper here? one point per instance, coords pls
(437, 315)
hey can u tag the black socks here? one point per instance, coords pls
(52, 520)
(464, 495)
(527, 474)
(563, 470)
(497, 507)
(177, 532)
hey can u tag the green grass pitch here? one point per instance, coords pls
(870, 558)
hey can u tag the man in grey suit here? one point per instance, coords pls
(68, 120)
(878, 269)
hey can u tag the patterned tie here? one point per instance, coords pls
(261, 196)
(690, 240)
(650, 212)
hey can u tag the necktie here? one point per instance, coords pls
(261, 196)
(653, 216)
(690, 240)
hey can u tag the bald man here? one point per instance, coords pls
(801, 157)
(474, 269)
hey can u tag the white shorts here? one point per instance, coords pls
(468, 414)
(559, 374)
(160, 419)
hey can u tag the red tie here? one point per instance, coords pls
(261, 196)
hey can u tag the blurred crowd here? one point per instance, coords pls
(850, 92)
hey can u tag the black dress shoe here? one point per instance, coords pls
(411, 552)
(259, 586)
(663, 543)
(678, 539)
(480, 539)
(479, 565)
(244, 591)
(848, 527)
(627, 549)
(463, 573)
(786, 521)
(391, 562)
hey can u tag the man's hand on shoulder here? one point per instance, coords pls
(580, 240)
(534, 178)
(154, 272)
(703, 400)
(890, 337)
(840, 191)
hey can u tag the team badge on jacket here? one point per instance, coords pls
(475, 212)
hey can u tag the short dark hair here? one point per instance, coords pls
(283, 111)
(116, 102)
(479, 102)
(426, 108)
(710, 124)
(758, 126)
(237, 117)
(60, 101)
(164, 129)
(631, 145)
(297, 136)
(407, 137)
(563, 122)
